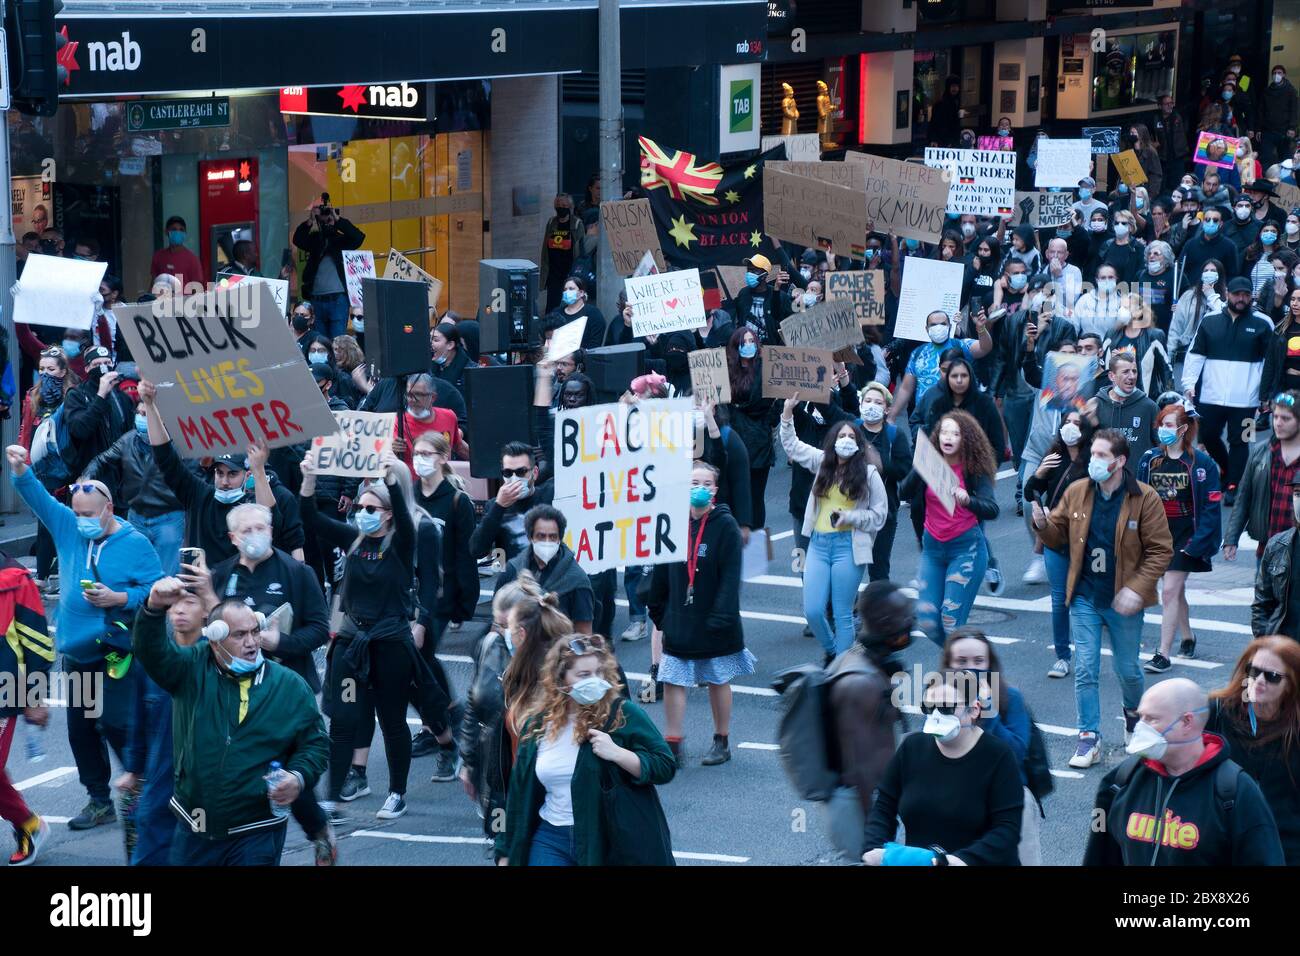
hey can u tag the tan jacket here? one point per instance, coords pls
(1143, 545)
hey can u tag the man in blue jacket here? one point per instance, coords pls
(117, 566)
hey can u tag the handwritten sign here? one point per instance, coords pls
(665, 303)
(907, 199)
(397, 266)
(279, 288)
(980, 181)
(1102, 139)
(1062, 162)
(567, 339)
(1044, 209)
(227, 369)
(1130, 170)
(709, 377)
(358, 448)
(358, 264)
(58, 291)
(622, 481)
(804, 372)
(849, 175)
(935, 472)
(813, 213)
(801, 147)
(1213, 149)
(830, 325)
(928, 285)
(629, 227)
(863, 289)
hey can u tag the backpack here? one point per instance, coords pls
(809, 751)
(49, 441)
(1225, 781)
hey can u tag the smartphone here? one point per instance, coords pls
(835, 517)
(87, 585)
(194, 556)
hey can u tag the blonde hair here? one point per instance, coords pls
(441, 446)
(877, 387)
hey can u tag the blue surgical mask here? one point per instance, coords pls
(751, 279)
(809, 299)
(1209, 278)
(228, 496)
(1064, 233)
(1085, 194)
(1106, 285)
(142, 424)
(1210, 227)
(90, 528)
(700, 497)
(72, 347)
(440, 360)
(1098, 469)
(317, 358)
(1167, 436)
(1268, 238)
(1140, 202)
(748, 350)
(238, 665)
(871, 252)
(368, 522)
(1019, 281)
(570, 296)
(589, 690)
(911, 244)
(176, 236)
(1227, 94)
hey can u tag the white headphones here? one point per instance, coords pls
(219, 630)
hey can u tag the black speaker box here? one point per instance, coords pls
(612, 368)
(397, 325)
(499, 401)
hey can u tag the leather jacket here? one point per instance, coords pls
(482, 739)
(129, 469)
(1272, 586)
(864, 718)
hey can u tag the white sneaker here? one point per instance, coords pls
(1036, 573)
(1059, 669)
(1087, 753)
(993, 578)
(635, 631)
(914, 584)
(393, 807)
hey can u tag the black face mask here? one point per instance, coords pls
(561, 213)
(301, 323)
(50, 247)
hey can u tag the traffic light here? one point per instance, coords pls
(34, 40)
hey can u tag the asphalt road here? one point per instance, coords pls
(743, 812)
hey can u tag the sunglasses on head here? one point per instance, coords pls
(1272, 677)
(52, 352)
(87, 486)
(1284, 399)
(587, 645)
(516, 472)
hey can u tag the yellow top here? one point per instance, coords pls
(243, 697)
(835, 500)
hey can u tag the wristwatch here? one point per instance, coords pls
(940, 855)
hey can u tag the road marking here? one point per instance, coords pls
(711, 857)
(781, 536)
(750, 745)
(1068, 774)
(46, 777)
(456, 658)
(738, 688)
(1009, 473)
(1185, 661)
(483, 841)
(1045, 728)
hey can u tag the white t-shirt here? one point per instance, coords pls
(555, 762)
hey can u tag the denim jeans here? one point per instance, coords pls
(633, 575)
(257, 848)
(830, 572)
(165, 532)
(951, 574)
(1125, 641)
(1058, 574)
(331, 313)
(552, 846)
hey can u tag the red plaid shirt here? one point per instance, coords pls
(1280, 515)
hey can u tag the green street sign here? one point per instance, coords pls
(145, 115)
(742, 106)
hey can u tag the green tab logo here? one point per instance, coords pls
(742, 106)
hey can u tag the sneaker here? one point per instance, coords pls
(635, 631)
(354, 786)
(914, 584)
(333, 816)
(326, 847)
(448, 763)
(718, 753)
(393, 807)
(1020, 508)
(1088, 752)
(1158, 664)
(1059, 669)
(453, 626)
(29, 844)
(993, 578)
(1187, 648)
(1036, 573)
(92, 815)
(1131, 719)
(423, 744)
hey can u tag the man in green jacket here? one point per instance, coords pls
(234, 713)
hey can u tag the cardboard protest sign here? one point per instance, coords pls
(864, 289)
(935, 472)
(849, 175)
(829, 325)
(709, 377)
(907, 199)
(666, 302)
(622, 481)
(980, 181)
(567, 339)
(928, 285)
(1067, 381)
(358, 264)
(398, 266)
(733, 279)
(1130, 170)
(58, 291)
(1062, 162)
(1288, 196)
(227, 369)
(1213, 149)
(358, 448)
(279, 288)
(801, 147)
(812, 213)
(1102, 139)
(1043, 209)
(628, 225)
(792, 371)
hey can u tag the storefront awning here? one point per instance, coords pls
(129, 47)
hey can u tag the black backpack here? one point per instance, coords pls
(1225, 781)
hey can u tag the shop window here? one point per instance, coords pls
(1135, 70)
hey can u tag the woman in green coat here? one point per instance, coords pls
(554, 812)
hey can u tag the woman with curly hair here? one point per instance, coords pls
(555, 807)
(954, 551)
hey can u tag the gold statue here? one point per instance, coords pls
(789, 111)
(824, 108)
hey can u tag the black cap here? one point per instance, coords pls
(885, 612)
(1295, 480)
(1240, 284)
(322, 373)
(236, 462)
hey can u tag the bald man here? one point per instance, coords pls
(1068, 279)
(1179, 800)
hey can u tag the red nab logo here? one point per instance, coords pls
(1174, 832)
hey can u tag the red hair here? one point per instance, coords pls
(1182, 418)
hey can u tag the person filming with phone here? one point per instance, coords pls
(324, 236)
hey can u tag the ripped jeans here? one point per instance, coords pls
(951, 574)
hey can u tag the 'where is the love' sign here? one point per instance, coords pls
(667, 302)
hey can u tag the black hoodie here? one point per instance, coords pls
(1194, 829)
(710, 625)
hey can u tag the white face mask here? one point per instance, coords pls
(872, 413)
(938, 334)
(546, 550)
(1097, 226)
(809, 299)
(1121, 230)
(968, 229)
(1292, 228)
(1242, 213)
(1071, 433)
(1156, 266)
(943, 727)
(846, 447)
(425, 465)
(1125, 316)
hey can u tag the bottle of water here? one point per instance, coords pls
(33, 742)
(273, 779)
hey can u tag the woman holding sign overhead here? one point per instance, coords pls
(846, 508)
(954, 552)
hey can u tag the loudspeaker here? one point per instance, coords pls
(507, 295)
(612, 368)
(397, 325)
(499, 400)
